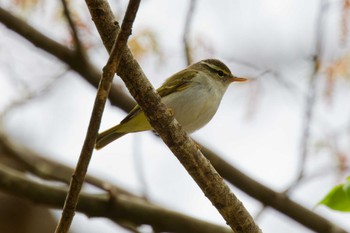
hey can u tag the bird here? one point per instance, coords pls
(193, 95)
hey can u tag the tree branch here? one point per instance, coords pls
(77, 42)
(121, 208)
(48, 169)
(188, 21)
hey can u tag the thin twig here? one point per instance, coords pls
(77, 42)
(308, 117)
(311, 95)
(187, 28)
(102, 93)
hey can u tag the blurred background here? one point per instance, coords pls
(288, 128)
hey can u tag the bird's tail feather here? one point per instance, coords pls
(108, 136)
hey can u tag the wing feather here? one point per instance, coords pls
(173, 84)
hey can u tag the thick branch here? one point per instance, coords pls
(123, 208)
(47, 169)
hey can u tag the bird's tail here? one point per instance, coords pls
(108, 136)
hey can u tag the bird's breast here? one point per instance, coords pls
(195, 106)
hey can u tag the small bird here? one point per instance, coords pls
(194, 95)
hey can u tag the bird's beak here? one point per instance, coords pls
(238, 79)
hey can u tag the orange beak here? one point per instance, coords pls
(238, 79)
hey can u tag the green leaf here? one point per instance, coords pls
(346, 186)
(338, 198)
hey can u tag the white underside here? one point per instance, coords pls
(197, 105)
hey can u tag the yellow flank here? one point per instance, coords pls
(132, 124)
(137, 123)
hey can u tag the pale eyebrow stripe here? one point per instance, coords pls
(214, 68)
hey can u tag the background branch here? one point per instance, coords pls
(47, 169)
(310, 98)
(89, 72)
(267, 196)
(121, 208)
(187, 28)
(77, 42)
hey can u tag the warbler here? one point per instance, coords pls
(194, 95)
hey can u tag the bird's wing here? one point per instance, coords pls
(172, 84)
(136, 110)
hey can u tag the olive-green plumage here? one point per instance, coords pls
(194, 94)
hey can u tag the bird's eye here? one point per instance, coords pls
(220, 73)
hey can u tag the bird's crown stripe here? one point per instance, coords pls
(214, 68)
